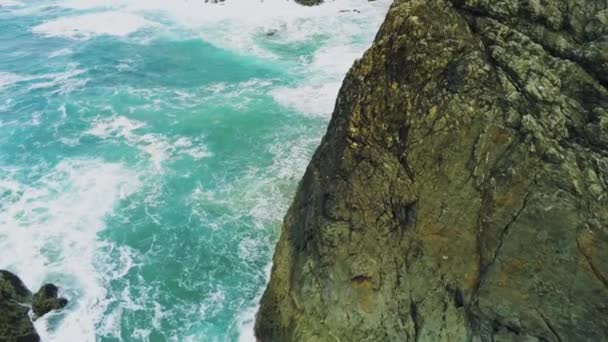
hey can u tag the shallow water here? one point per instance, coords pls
(149, 149)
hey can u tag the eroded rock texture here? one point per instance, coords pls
(461, 191)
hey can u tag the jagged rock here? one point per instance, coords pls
(461, 191)
(46, 300)
(15, 325)
(15, 302)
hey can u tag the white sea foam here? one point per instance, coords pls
(310, 99)
(8, 78)
(212, 303)
(118, 126)
(240, 26)
(315, 95)
(246, 320)
(60, 52)
(92, 4)
(10, 3)
(113, 23)
(158, 147)
(340, 29)
(125, 64)
(187, 146)
(340, 37)
(50, 231)
(64, 82)
(264, 196)
(236, 95)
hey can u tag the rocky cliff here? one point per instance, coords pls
(461, 191)
(15, 303)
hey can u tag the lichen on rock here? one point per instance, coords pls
(461, 190)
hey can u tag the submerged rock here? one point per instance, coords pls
(309, 2)
(15, 302)
(461, 191)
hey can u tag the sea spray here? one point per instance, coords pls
(149, 150)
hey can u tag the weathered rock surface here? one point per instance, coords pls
(461, 191)
(15, 324)
(15, 302)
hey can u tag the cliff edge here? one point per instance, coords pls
(461, 190)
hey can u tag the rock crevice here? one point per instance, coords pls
(461, 190)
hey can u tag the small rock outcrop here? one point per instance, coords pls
(15, 303)
(309, 2)
(47, 300)
(461, 190)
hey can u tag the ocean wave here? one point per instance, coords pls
(234, 212)
(158, 147)
(55, 221)
(231, 24)
(9, 78)
(60, 52)
(332, 36)
(245, 321)
(86, 26)
(64, 82)
(10, 3)
(312, 98)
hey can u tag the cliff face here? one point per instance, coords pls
(461, 191)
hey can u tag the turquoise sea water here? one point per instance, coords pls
(149, 149)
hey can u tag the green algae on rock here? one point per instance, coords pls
(15, 302)
(461, 191)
